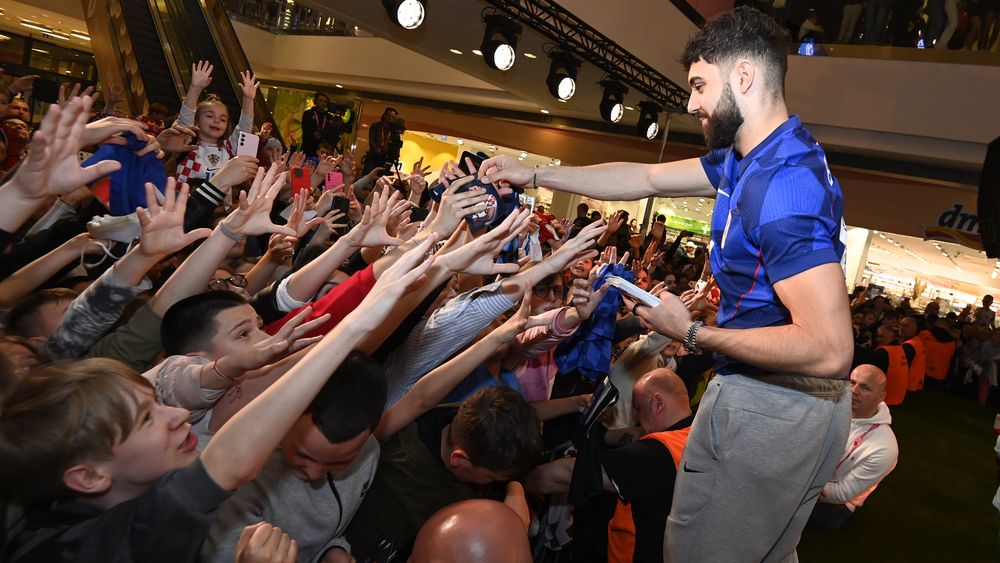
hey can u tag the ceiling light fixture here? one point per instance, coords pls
(408, 14)
(500, 41)
(562, 75)
(649, 117)
(456, 51)
(613, 101)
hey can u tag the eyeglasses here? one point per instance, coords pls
(543, 291)
(222, 284)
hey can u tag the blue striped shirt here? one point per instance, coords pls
(778, 212)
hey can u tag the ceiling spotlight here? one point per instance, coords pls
(500, 41)
(562, 75)
(613, 101)
(408, 14)
(649, 119)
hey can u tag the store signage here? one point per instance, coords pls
(956, 225)
(684, 224)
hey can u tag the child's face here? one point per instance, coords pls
(212, 121)
(161, 440)
(236, 329)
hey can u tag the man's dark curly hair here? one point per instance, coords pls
(743, 32)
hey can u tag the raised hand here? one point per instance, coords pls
(163, 227)
(113, 96)
(347, 167)
(476, 257)
(328, 163)
(584, 299)
(281, 248)
(65, 94)
(505, 168)
(23, 83)
(264, 543)
(297, 221)
(290, 338)
(235, 171)
(297, 158)
(52, 167)
(371, 230)
(399, 218)
(252, 217)
(177, 138)
(391, 285)
(616, 221)
(454, 206)
(520, 321)
(201, 74)
(576, 249)
(419, 169)
(109, 129)
(248, 85)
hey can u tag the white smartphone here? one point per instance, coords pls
(247, 144)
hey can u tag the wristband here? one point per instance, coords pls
(230, 234)
(233, 381)
(691, 340)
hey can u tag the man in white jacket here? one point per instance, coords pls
(869, 455)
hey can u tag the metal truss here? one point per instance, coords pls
(573, 34)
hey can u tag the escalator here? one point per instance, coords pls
(155, 42)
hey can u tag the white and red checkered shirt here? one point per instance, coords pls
(203, 162)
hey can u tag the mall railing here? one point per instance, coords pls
(286, 17)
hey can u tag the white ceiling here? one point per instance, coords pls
(65, 21)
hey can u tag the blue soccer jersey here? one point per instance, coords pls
(778, 212)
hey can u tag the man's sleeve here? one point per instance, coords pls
(136, 343)
(170, 521)
(795, 222)
(644, 469)
(177, 381)
(713, 163)
(91, 315)
(339, 302)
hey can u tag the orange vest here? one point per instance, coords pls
(621, 529)
(897, 376)
(918, 367)
(938, 355)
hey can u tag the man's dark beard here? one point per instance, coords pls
(722, 126)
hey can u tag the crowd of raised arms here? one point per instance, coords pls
(199, 363)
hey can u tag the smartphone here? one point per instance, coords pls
(341, 203)
(334, 179)
(300, 180)
(477, 161)
(45, 91)
(247, 144)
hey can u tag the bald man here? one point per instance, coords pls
(869, 455)
(642, 473)
(473, 531)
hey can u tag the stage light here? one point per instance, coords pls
(649, 119)
(562, 75)
(500, 42)
(613, 101)
(408, 14)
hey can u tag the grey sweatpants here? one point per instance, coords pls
(759, 453)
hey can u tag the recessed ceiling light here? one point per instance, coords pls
(530, 56)
(630, 108)
(338, 85)
(560, 100)
(456, 51)
(524, 154)
(460, 142)
(477, 52)
(545, 111)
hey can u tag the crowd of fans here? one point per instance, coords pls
(940, 24)
(204, 359)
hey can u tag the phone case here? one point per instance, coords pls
(299, 180)
(247, 144)
(333, 180)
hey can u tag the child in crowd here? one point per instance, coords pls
(216, 141)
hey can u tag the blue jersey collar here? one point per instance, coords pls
(792, 123)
